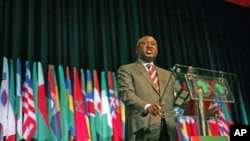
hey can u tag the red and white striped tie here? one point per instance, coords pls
(153, 75)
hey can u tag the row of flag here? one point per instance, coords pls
(57, 108)
(79, 108)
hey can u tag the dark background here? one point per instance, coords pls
(102, 34)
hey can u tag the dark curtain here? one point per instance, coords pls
(102, 35)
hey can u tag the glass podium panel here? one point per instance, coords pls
(208, 85)
(205, 89)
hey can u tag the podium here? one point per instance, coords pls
(204, 87)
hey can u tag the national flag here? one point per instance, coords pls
(63, 105)
(106, 133)
(35, 90)
(123, 118)
(213, 127)
(4, 97)
(83, 85)
(11, 121)
(42, 121)
(55, 119)
(70, 108)
(18, 108)
(187, 127)
(122, 112)
(182, 129)
(28, 106)
(114, 108)
(80, 119)
(192, 127)
(97, 102)
(119, 112)
(90, 105)
(219, 126)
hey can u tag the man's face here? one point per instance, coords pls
(147, 49)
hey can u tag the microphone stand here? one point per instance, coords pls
(160, 100)
(163, 131)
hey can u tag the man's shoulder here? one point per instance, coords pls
(163, 69)
(130, 65)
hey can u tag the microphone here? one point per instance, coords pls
(182, 95)
(176, 71)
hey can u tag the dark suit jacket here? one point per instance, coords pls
(137, 89)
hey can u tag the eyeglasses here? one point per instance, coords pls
(148, 44)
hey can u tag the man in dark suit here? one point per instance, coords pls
(146, 105)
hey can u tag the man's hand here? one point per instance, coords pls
(154, 109)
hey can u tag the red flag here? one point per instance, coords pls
(43, 124)
(80, 119)
(213, 127)
(192, 126)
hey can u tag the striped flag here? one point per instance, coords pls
(70, 105)
(107, 132)
(19, 101)
(4, 97)
(63, 105)
(11, 128)
(90, 105)
(28, 106)
(114, 108)
(97, 102)
(80, 119)
(42, 121)
(55, 119)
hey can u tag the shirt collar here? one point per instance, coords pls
(145, 63)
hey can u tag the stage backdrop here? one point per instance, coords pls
(102, 35)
